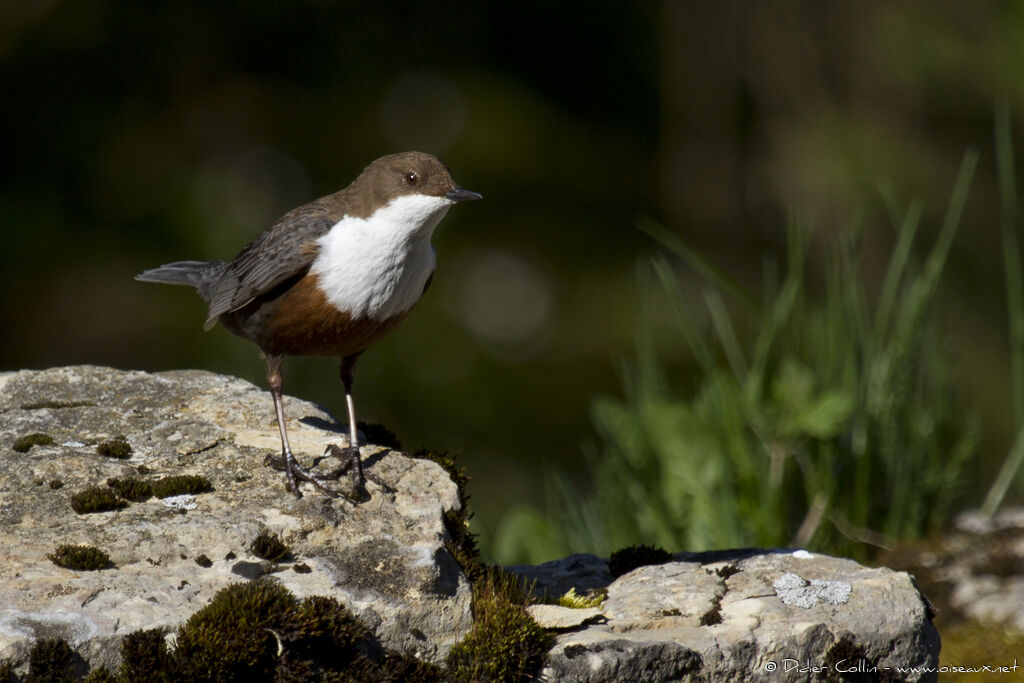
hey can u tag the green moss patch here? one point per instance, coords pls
(259, 631)
(592, 598)
(505, 643)
(25, 443)
(80, 557)
(626, 560)
(269, 546)
(96, 499)
(379, 435)
(117, 447)
(55, 404)
(51, 659)
(131, 488)
(180, 484)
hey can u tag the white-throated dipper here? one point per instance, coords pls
(330, 278)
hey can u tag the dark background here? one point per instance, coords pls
(132, 134)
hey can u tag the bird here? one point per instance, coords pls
(330, 279)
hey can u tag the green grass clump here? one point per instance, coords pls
(115, 448)
(96, 499)
(627, 559)
(80, 557)
(269, 546)
(180, 484)
(131, 488)
(821, 416)
(25, 443)
(505, 643)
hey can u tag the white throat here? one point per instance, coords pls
(377, 267)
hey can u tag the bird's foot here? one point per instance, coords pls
(295, 472)
(349, 458)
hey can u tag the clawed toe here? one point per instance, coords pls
(350, 458)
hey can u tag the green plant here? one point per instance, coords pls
(51, 660)
(96, 499)
(118, 448)
(80, 557)
(833, 426)
(505, 643)
(25, 443)
(177, 485)
(269, 546)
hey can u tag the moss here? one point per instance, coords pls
(231, 637)
(398, 667)
(80, 557)
(25, 443)
(96, 499)
(100, 675)
(301, 568)
(259, 631)
(51, 660)
(179, 484)
(505, 643)
(56, 404)
(592, 598)
(145, 657)
(204, 561)
(712, 616)
(727, 570)
(269, 546)
(56, 484)
(379, 435)
(627, 559)
(118, 447)
(131, 488)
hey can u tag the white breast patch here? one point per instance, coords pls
(377, 267)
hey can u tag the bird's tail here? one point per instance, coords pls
(201, 275)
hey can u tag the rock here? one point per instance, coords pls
(746, 615)
(553, 579)
(558, 618)
(384, 559)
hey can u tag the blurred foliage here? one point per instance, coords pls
(837, 428)
(139, 133)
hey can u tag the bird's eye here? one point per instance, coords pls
(411, 178)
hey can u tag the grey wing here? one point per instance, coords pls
(282, 251)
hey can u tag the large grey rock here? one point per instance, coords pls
(384, 558)
(744, 615)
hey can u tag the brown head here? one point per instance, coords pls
(401, 174)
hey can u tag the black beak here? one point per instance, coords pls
(461, 194)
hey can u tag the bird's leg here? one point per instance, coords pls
(350, 456)
(287, 461)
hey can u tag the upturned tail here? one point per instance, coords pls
(201, 275)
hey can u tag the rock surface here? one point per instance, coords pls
(742, 615)
(384, 559)
(725, 615)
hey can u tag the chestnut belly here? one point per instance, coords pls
(297, 320)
